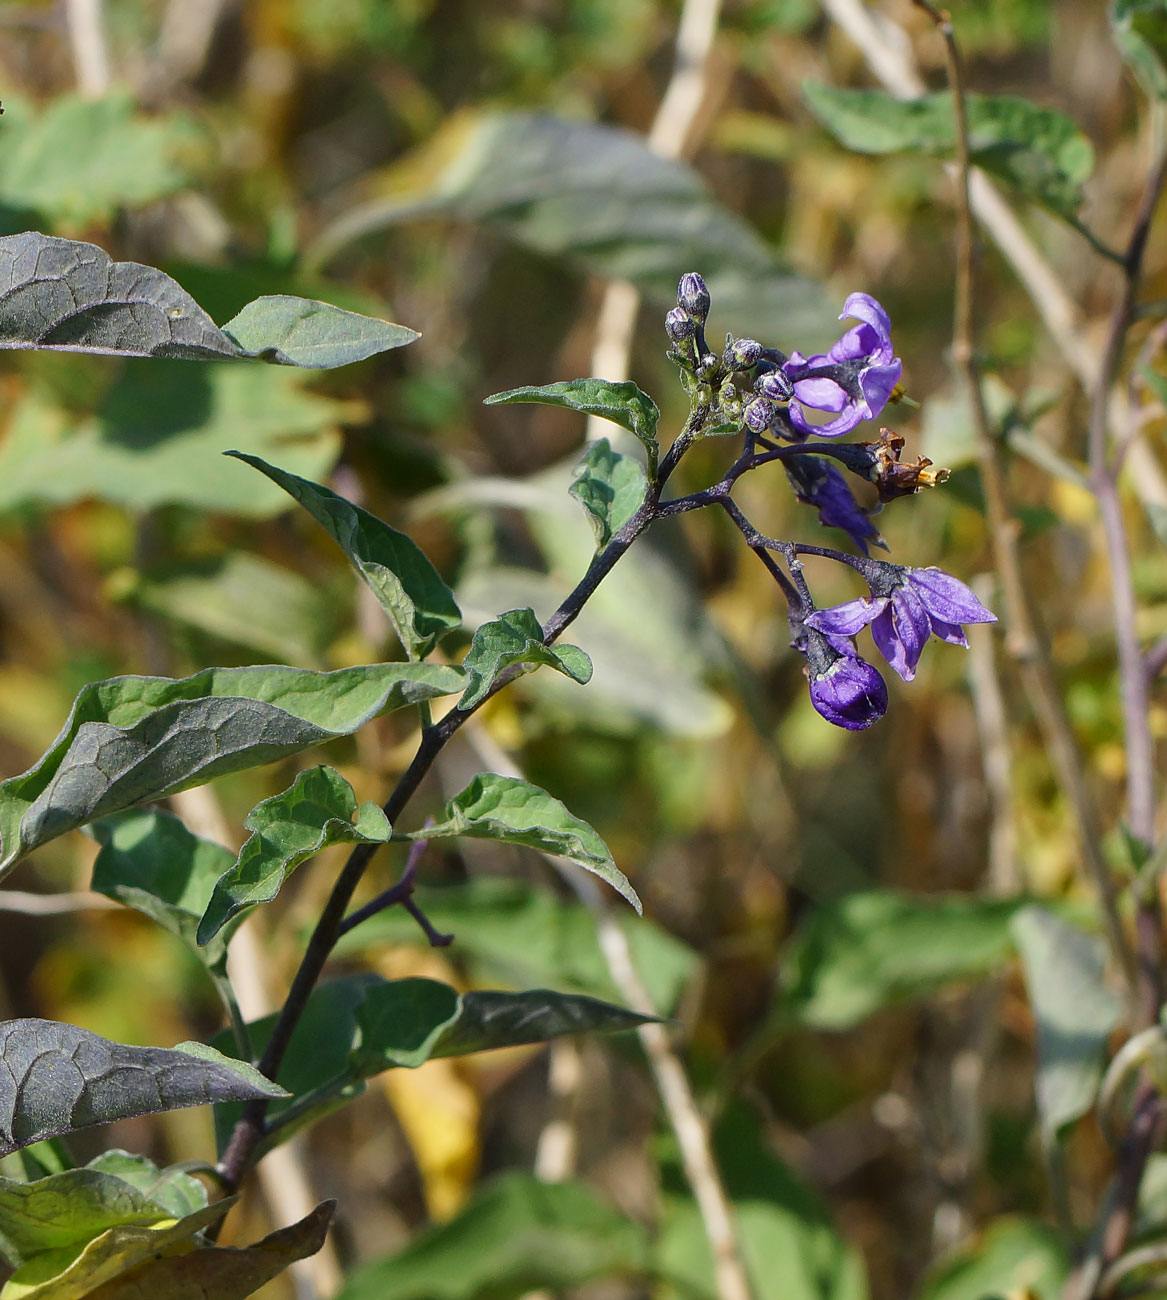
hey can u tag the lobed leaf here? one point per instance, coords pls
(869, 949)
(130, 739)
(1038, 151)
(218, 1272)
(63, 295)
(319, 809)
(621, 402)
(515, 638)
(610, 487)
(1074, 1009)
(151, 862)
(517, 1236)
(55, 1078)
(419, 604)
(514, 811)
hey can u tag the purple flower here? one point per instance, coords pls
(844, 689)
(823, 486)
(905, 607)
(854, 379)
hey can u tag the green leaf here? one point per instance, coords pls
(86, 1266)
(130, 739)
(150, 861)
(513, 638)
(598, 198)
(866, 950)
(419, 604)
(622, 403)
(516, 1236)
(610, 487)
(158, 437)
(205, 1273)
(58, 1078)
(558, 948)
(505, 808)
(175, 1189)
(1139, 28)
(319, 809)
(1038, 151)
(1074, 1010)
(247, 600)
(411, 1021)
(313, 335)
(81, 159)
(68, 296)
(1014, 1256)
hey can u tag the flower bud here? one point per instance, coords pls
(759, 414)
(693, 296)
(741, 354)
(849, 694)
(679, 325)
(776, 386)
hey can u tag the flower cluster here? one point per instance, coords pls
(774, 399)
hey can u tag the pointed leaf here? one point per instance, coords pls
(610, 487)
(1038, 151)
(622, 403)
(84, 1267)
(505, 808)
(517, 1235)
(130, 739)
(150, 861)
(55, 1078)
(1074, 1009)
(516, 637)
(219, 1272)
(319, 809)
(69, 296)
(313, 335)
(419, 604)
(411, 1021)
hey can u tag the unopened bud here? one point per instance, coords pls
(776, 386)
(679, 325)
(759, 414)
(741, 354)
(693, 296)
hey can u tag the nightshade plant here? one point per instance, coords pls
(131, 741)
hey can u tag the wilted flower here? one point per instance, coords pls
(904, 608)
(854, 379)
(824, 487)
(844, 689)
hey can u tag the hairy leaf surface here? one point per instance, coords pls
(130, 739)
(622, 403)
(55, 1078)
(514, 811)
(419, 604)
(69, 296)
(514, 638)
(319, 809)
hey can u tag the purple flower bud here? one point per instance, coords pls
(693, 296)
(759, 413)
(849, 693)
(776, 386)
(741, 354)
(679, 325)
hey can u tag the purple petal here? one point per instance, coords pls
(822, 394)
(901, 631)
(796, 364)
(850, 617)
(950, 632)
(860, 344)
(862, 306)
(947, 598)
(877, 383)
(851, 416)
(850, 694)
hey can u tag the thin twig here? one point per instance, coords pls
(18, 900)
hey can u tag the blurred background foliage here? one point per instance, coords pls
(822, 922)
